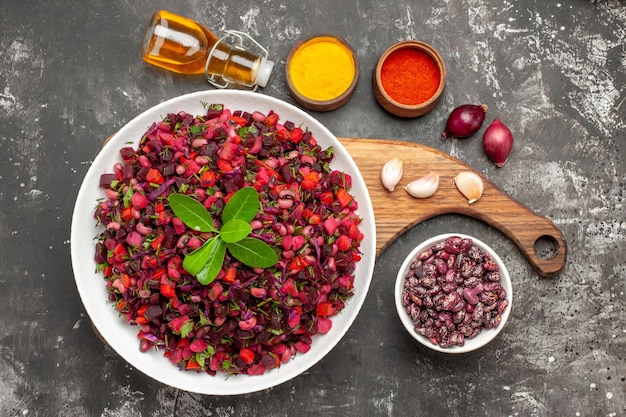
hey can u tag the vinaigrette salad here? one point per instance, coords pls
(247, 320)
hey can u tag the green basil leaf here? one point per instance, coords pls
(253, 252)
(243, 205)
(195, 261)
(214, 263)
(234, 230)
(191, 212)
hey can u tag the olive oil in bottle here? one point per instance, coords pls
(185, 46)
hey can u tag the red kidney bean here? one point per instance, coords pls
(453, 245)
(450, 301)
(490, 266)
(425, 255)
(451, 276)
(479, 313)
(451, 262)
(456, 338)
(427, 282)
(488, 297)
(434, 290)
(441, 266)
(491, 286)
(470, 296)
(427, 301)
(449, 287)
(489, 307)
(452, 292)
(459, 307)
(438, 299)
(493, 276)
(444, 256)
(459, 316)
(415, 299)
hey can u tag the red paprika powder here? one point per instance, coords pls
(410, 76)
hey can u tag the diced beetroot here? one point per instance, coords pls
(294, 320)
(215, 291)
(330, 225)
(128, 153)
(302, 347)
(142, 173)
(167, 170)
(128, 170)
(198, 345)
(153, 312)
(134, 239)
(279, 348)
(107, 179)
(289, 288)
(256, 369)
(177, 323)
(269, 361)
(228, 151)
(256, 146)
(179, 226)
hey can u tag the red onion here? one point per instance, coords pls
(498, 142)
(465, 120)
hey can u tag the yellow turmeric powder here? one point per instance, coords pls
(322, 68)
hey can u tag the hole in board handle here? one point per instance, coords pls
(546, 247)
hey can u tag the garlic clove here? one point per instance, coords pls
(423, 187)
(391, 173)
(470, 185)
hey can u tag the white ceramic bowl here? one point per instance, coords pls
(91, 285)
(486, 335)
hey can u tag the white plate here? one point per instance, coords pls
(91, 286)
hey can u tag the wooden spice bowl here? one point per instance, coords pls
(321, 62)
(406, 109)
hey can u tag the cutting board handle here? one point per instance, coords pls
(396, 212)
(528, 230)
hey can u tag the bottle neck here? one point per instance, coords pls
(227, 64)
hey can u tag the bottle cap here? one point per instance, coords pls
(265, 70)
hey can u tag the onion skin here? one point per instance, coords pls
(498, 142)
(465, 120)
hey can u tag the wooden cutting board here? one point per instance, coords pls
(396, 212)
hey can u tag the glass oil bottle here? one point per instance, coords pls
(184, 46)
